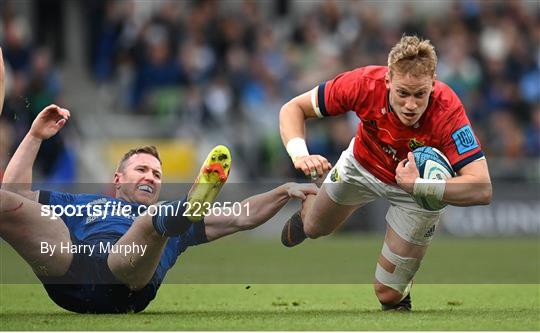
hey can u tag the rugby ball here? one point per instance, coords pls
(431, 164)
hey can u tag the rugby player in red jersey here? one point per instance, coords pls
(400, 106)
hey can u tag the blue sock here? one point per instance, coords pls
(170, 220)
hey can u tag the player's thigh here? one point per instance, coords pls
(34, 236)
(325, 214)
(403, 247)
(347, 187)
(408, 220)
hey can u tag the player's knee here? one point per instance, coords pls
(387, 295)
(394, 275)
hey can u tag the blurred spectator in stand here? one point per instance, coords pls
(54, 160)
(208, 63)
(456, 67)
(506, 138)
(106, 44)
(7, 136)
(197, 59)
(532, 134)
(49, 26)
(159, 68)
(16, 45)
(16, 104)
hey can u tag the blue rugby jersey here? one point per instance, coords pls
(110, 225)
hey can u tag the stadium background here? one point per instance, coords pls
(185, 75)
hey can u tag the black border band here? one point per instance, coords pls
(467, 160)
(320, 100)
(44, 197)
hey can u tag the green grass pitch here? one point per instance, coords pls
(250, 284)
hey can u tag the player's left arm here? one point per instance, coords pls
(471, 186)
(256, 210)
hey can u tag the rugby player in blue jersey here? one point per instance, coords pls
(81, 278)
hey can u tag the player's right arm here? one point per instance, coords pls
(256, 210)
(292, 119)
(18, 174)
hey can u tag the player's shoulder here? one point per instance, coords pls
(375, 71)
(445, 98)
(372, 72)
(367, 72)
(366, 80)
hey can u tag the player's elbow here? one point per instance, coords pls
(285, 113)
(291, 111)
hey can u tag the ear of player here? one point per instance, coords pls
(213, 174)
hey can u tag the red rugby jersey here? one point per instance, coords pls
(381, 139)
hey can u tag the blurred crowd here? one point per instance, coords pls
(211, 64)
(33, 82)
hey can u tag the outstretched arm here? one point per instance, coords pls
(262, 207)
(18, 174)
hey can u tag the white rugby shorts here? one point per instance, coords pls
(348, 183)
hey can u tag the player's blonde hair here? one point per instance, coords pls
(150, 150)
(414, 56)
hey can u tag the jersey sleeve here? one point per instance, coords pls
(56, 198)
(341, 94)
(459, 143)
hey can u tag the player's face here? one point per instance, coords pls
(140, 180)
(409, 95)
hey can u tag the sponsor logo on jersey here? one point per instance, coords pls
(464, 139)
(414, 143)
(392, 152)
(334, 176)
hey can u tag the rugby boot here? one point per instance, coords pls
(213, 174)
(293, 231)
(404, 305)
